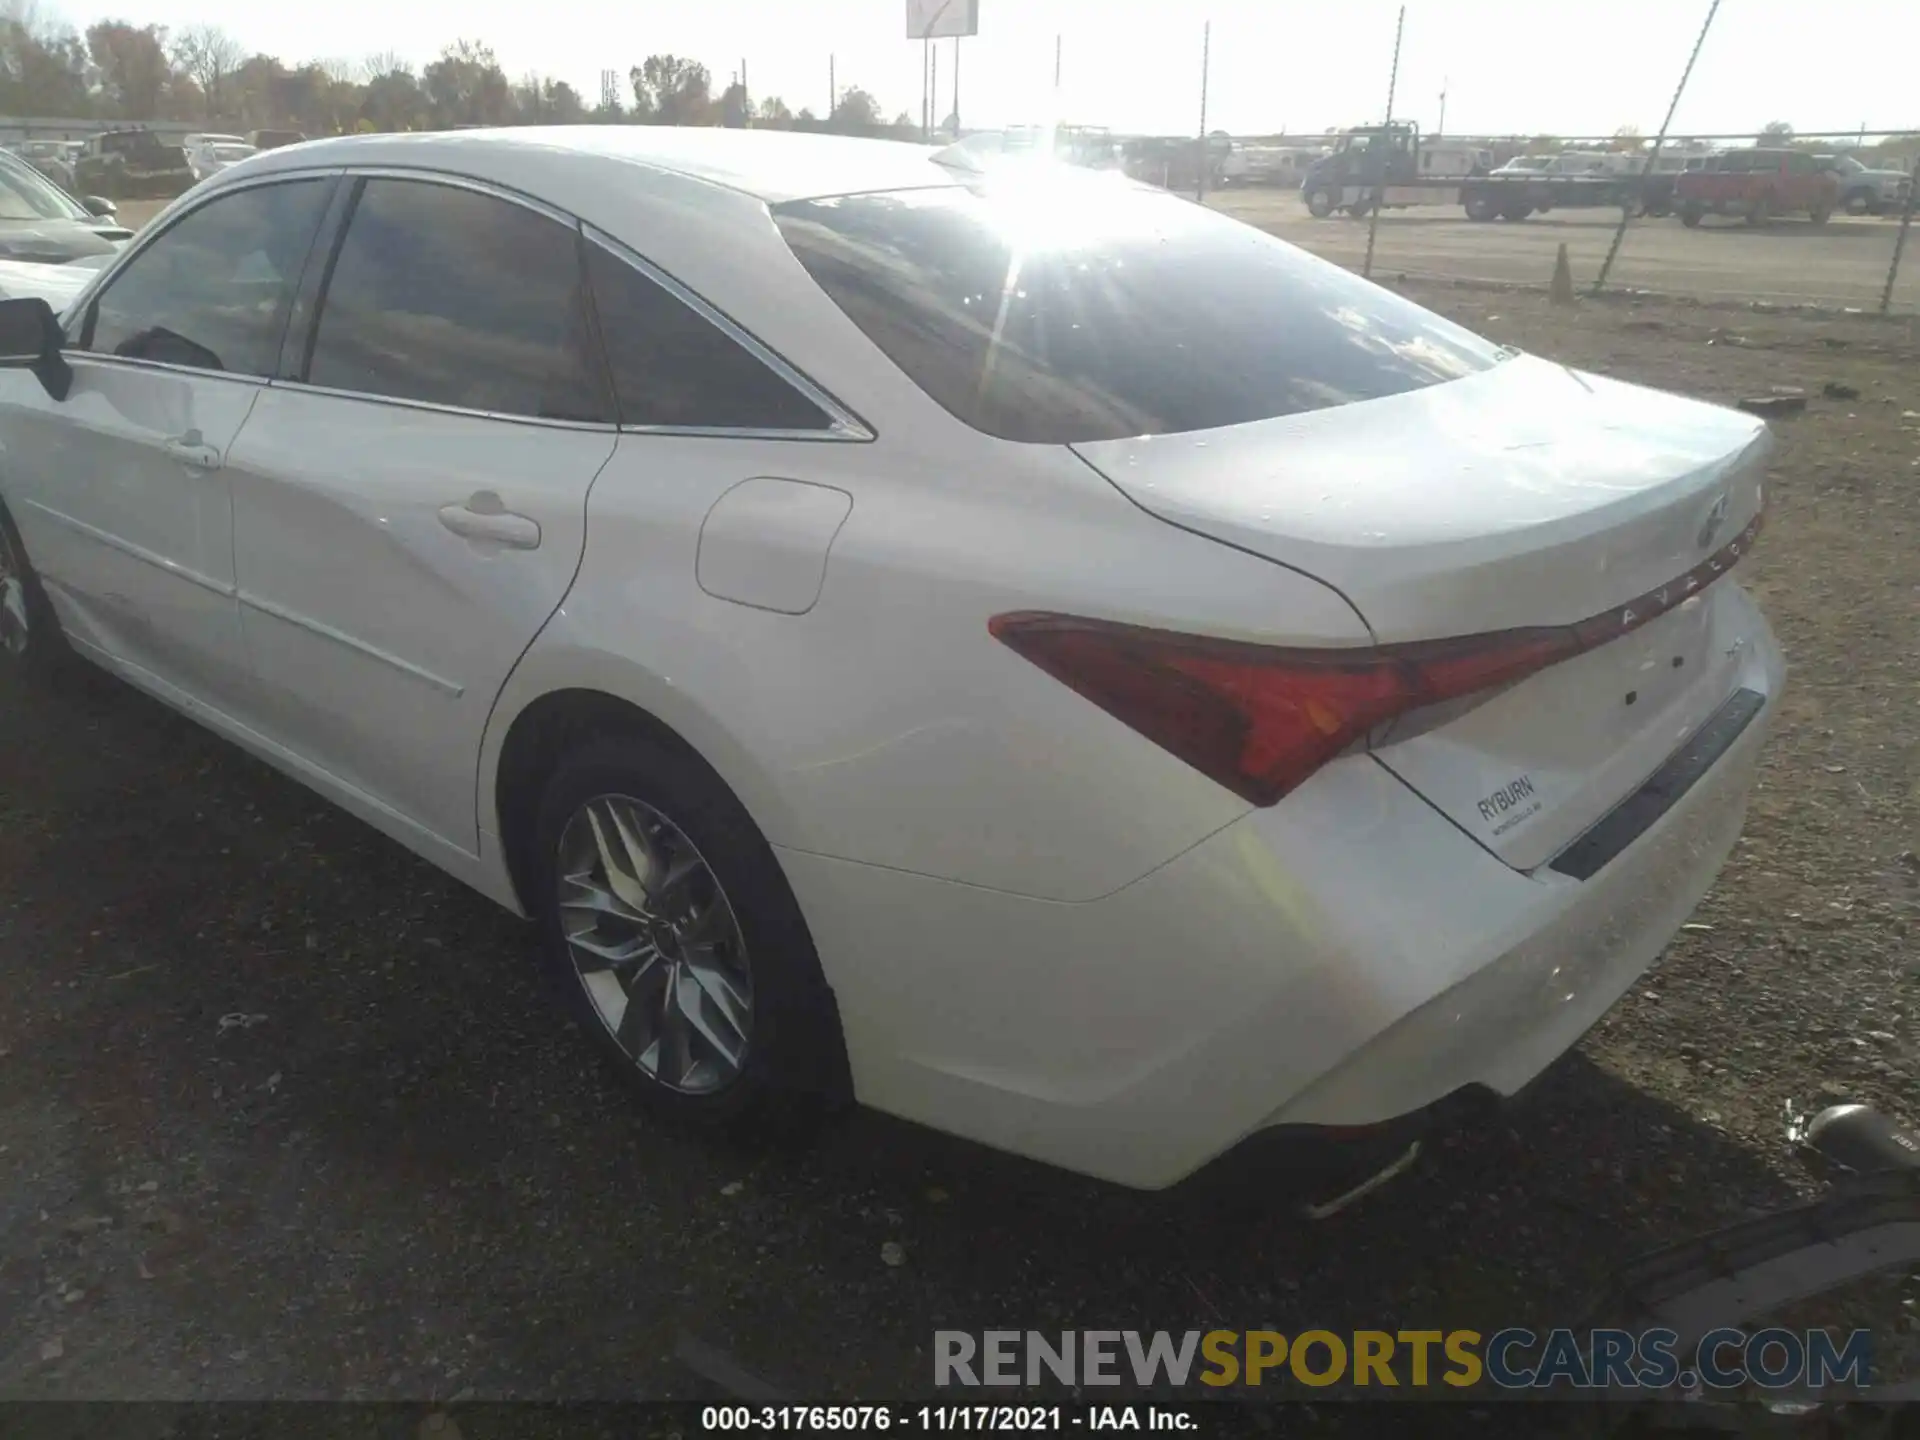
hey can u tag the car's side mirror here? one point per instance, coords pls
(99, 205)
(30, 339)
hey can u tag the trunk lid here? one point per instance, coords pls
(1529, 495)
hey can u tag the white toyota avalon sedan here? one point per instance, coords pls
(1023, 652)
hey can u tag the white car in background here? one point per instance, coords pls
(1024, 651)
(210, 154)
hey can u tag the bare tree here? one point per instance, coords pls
(209, 55)
(384, 62)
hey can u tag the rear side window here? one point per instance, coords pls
(1080, 309)
(452, 297)
(674, 367)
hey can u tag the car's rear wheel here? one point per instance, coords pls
(1860, 201)
(1321, 202)
(676, 942)
(1821, 214)
(1761, 211)
(1691, 215)
(30, 639)
(1481, 207)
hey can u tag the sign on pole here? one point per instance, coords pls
(940, 19)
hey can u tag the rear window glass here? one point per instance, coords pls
(1079, 309)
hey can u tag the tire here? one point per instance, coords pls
(1480, 207)
(1516, 212)
(1321, 202)
(758, 987)
(1860, 202)
(32, 645)
(1821, 214)
(1691, 215)
(1360, 209)
(1761, 211)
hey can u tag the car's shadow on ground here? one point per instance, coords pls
(291, 1112)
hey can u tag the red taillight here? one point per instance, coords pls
(1260, 719)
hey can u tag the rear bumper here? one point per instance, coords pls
(1342, 959)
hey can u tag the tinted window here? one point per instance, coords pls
(25, 194)
(1090, 310)
(212, 292)
(1801, 164)
(457, 298)
(671, 366)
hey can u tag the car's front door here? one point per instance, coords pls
(410, 502)
(120, 489)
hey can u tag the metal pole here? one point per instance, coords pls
(1441, 129)
(933, 55)
(956, 87)
(1900, 241)
(1380, 186)
(926, 98)
(1056, 72)
(1206, 58)
(1632, 202)
(833, 89)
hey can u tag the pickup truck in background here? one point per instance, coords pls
(1756, 185)
(1864, 190)
(122, 164)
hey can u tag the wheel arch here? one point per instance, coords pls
(556, 699)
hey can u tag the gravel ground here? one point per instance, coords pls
(284, 1114)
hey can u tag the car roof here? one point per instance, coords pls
(771, 165)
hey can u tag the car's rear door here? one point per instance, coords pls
(410, 496)
(120, 489)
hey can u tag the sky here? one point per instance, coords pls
(1508, 66)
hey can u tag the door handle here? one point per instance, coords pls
(192, 450)
(484, 517)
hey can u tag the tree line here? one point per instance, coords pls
(200, 74)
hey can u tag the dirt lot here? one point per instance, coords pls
(1843, 263)
(283, 1112)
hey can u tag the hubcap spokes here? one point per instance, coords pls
(656, 944)
(13, 600)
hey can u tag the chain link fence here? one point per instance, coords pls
(1820, 222)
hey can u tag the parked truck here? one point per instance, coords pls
(1393, 166)
(1757, 184)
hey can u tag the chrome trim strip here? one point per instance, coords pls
(127, 547)
(301, 387)
(455, 181)
(127, 362)
(340, 637)
(846, 425)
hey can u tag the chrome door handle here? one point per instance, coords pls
(190, 449)
(483, 517)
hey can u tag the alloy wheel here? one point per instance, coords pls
(655, 944)
(16, 627)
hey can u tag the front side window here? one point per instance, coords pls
(1081, 309)
(212, 291)
(452, 297)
